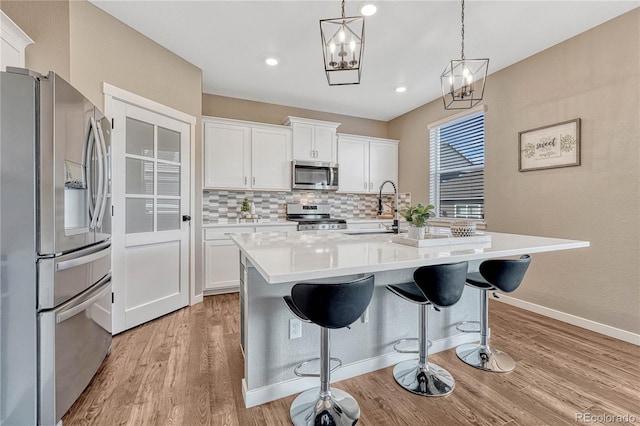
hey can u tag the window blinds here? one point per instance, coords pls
(457, 167)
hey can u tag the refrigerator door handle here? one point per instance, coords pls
(97, 252)
(94, 218)
(86, 158)
(103, 174)
(74, 310)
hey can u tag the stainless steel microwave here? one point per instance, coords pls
(314, 175)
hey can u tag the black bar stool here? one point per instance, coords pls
(329, 305)
(440, 286)
(496, 274)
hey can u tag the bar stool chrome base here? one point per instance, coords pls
(485, 358)
(425, 380)
(335, 408)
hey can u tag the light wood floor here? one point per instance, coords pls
(185, 369)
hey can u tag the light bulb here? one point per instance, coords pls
(332, 47)
(465, 71)
(470, 79)
(352, 45)
(451, 80)
(341, 36)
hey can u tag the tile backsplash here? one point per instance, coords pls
(225, 205)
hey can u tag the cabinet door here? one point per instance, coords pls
(325, 144)
(271, 159)
(227, 156)
(303, 148)
(353, 157)
(222, 265)
(383, 165)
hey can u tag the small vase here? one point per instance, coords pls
(416, 232)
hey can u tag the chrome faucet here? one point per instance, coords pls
(395, 227)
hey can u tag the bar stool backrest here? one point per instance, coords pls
(334, 305)
(505, 274)
(442, 284)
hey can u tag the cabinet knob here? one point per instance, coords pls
(245, 180)
(254, 180)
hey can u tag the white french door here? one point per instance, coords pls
(151, 199)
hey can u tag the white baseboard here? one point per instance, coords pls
(269, 393)
(221, 290)
(196, 299)
(597, 327)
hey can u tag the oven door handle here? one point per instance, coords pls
(76, 309)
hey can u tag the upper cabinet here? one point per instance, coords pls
(246, 155)
(313, 140)
(366, 162)
(13, 43)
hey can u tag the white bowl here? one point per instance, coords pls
(463, 229)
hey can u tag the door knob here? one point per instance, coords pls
(186, 218)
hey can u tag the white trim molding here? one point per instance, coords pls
(453, 117)
(280, 390)
(588, 324)
(142, 102)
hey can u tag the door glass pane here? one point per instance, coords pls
(139, 215)
(168, 214)
(139, 177)
(168, 179)
(168, 145)
(139, 138)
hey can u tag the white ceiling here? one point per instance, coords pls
(407, 43)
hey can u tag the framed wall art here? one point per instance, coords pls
(557, 145)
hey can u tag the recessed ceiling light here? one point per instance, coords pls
(401, 89)
(271, 61)
(368, 9)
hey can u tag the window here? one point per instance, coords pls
(457, 166)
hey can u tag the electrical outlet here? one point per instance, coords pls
(365, 316)
(295, 328)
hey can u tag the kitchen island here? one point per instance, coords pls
(271, 263)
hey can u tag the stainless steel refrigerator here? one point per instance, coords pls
(55, 248)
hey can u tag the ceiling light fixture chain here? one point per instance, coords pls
(342, 9)
(462, 32)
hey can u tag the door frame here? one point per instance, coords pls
(114, 94)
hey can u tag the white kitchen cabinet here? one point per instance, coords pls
(366, 162)
(271, 159)
(313, 140)
(13, 42)
(246, 155)
(227, 155)
(222, 257)
(222, 266)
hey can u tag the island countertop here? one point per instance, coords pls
(282, 257)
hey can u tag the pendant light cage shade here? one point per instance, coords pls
(342, 49)
(463, 83)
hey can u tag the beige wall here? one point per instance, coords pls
(47, 23)
(241, 109)
(88, 47)
(593, 76)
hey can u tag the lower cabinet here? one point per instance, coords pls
(222, 257)
(222, 266)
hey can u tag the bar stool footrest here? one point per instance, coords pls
(297, 368)
(461, 327)
(396, 346)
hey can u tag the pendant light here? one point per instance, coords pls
(463, 80)
(342, 47)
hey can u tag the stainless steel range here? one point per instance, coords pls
(312, 217)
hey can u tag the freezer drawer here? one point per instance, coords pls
(74, 339)
(62, 278)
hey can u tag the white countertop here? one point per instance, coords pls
(294, 256)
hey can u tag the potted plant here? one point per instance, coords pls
(417, 216)
(245, 207)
